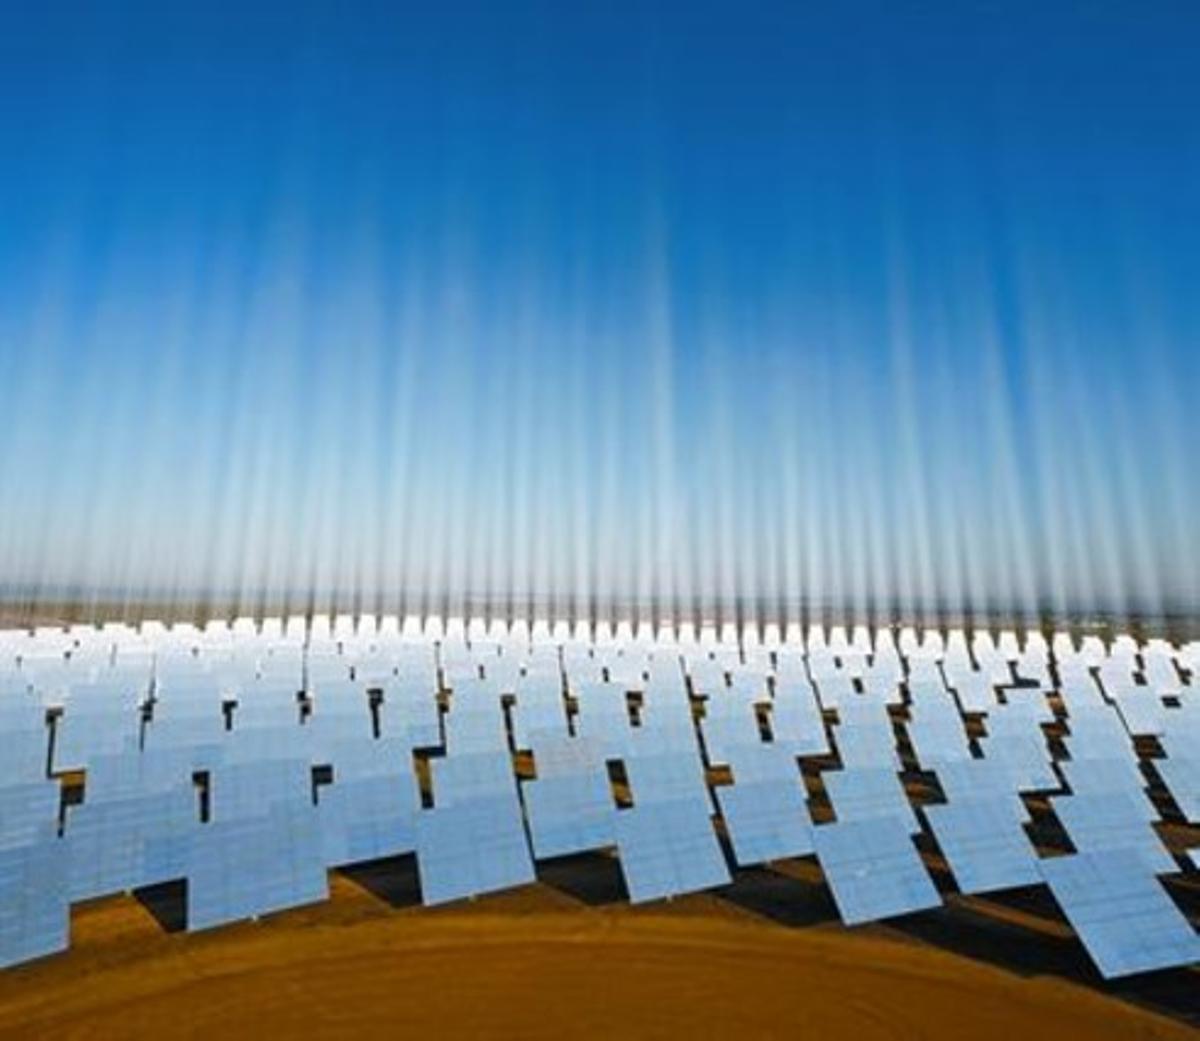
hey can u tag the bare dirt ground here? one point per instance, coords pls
(567, 957)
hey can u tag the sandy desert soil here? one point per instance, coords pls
(567, 958)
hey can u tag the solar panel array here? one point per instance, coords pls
(1122, 915)
(667, 848)
(569, 805)
(873, 869)
(984, 844)
(248, 759)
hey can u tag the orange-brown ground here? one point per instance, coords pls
(567, 958)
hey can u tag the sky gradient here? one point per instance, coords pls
(865, 306)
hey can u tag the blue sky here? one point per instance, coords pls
(862, 304)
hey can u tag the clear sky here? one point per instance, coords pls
(859, 304)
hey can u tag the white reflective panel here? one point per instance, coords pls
(984, 844)
(34, 917)
(930, 694)
(541, 684)
(355, 758)
(603, 716)
(344, 696)
(668, 777)
(123, 843)
(367, 817)
(245, 627)
(26, 809)
(255, 744)
(938, 740)
(1033, 667)
(1142, 712)
(598, 695)
(250, 789)
(864, 793)
(473, 847)
(1098, 734)
(1182, 778)
(766, 820)
(1103, 775)
(923, 672)
(662, 731)
(864, 709)
(1025, 766)
(627, 675)
(463, 778)
(882, 683)
(543, 661)
(750, 763)
(982, 779)
(1078, 690)
(85, 730)
(1181, 742)
(569, 813)
(1161, 673)
(668, 848)
(534, 717)
(790, 666)
(580, 667)
(373, 670)
(109, 689)
(973, 690)
(266, 704)
(932, 644)
(409, 709)
(759, 661)
(834, 688)
(1092, 650)
(727, 730)
(25, 755)
(1114, 820)
(1026, 702)
(253, 866)
(135, 773)
(325, 732)
(873, 869)
(558, 756)
(708, 678)
(749, 684)
(199, 744)
(20, 710)
(283, 668)
(326, 668)
(503, 674)
(1121, 913)
(1116, 676)
(197, 704)
(1024, 711)
(188, 681)
(866, 745)
(605, 725)
(472, 729)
